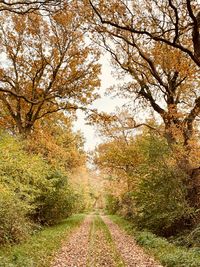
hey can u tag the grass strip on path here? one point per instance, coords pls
(39, 249)
(166, 253)
(102, 249)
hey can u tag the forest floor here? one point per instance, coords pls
(100, 242)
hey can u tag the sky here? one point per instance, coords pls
(105, 103)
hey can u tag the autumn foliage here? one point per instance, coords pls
(148, 162)
(47, 72)
(47, 67)
(154, 44)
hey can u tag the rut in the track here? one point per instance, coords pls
(132, 254)
(74, 252)
(99, 242)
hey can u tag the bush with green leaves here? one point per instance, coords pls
(23, 173)
(14, 225)
(161, 196)
(168, 254)
(127, 205)
(112, 204)
(57, 201)
(34, 188)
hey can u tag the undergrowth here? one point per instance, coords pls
(168, 254)
(39, 249)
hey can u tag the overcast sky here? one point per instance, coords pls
(105, 103)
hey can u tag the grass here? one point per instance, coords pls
(39, 249)
(99, 225)
(165, 252)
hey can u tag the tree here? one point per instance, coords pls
(162, 76)
(119, 159)
(141, 176)
(153, 48)
(119, 125)
(174, 23)
(59, 145)
(157, 44)
(48, 67)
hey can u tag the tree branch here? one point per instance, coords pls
(147, 33)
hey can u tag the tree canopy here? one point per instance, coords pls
(153, 47)
(47, 68)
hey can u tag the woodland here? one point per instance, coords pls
(145, 173)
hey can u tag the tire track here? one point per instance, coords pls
(99, 242)
(75, 251)
(132, 254)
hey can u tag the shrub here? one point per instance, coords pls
(160, 197)
(112, 204)
(56, 201)
(166, 253)
(127, 204)
(14, 225)
(189, 238)
(42, 188)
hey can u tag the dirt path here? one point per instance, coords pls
(132, 254)
(99, 242)
(74, 252)
(102, 250)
